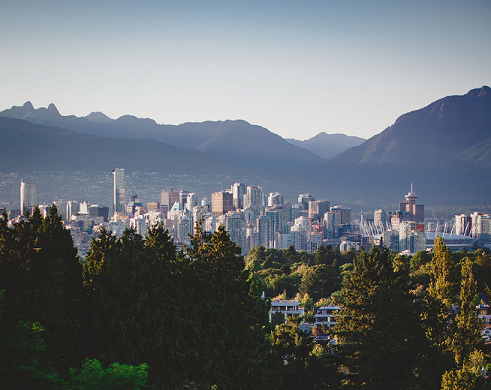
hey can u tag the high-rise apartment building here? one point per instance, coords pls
(380, 218)
(463, 224)
(191, 201)
(305, 199)
(238, 190)
(253, 199)
(168, 197)
(265, 231)
(274, 198)
(481, 228)
(119, 199)
(317, 208)
(28, 197)
(221, 203)
(344, 214)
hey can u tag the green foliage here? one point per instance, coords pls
(468, 377)
(419, 259)
(277, 318)
(225, 322)
(467, 334)
(117, 377)
(41, 274)
(320, 281)
(137, 272)
(291, 255)
(254, 266)
(21, 351)
(443, 279)
(305, 301)
(381, 340)
(256, 253)
(306, 364)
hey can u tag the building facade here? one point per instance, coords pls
(119, 198)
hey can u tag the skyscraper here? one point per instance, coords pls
(238, 191)
(168, 197)
(253, 200)
(28, 197)
(221, 203)
(119, 199)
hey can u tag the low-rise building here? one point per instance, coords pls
(286, 306)
(325, 315)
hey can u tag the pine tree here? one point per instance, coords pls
(225, 321)
(380, 340)
(41, 273)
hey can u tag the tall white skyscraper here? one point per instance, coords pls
(119, 199)
(28, 197)
(253, 199)
(238, 191)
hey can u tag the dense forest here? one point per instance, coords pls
(137, 313)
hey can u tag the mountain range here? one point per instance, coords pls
(236, 142)
(444, 148)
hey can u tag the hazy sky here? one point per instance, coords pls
(295, 67)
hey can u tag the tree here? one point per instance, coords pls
(291, 255)
(305, 363)
(134, 301)
(320, 255)
(467, 337)
(466, 341)
(22, 350)
(117, 377)
(225, 323)
(381, 341)
(41, 273)
(320, 281)
(442, 271)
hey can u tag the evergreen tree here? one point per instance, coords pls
(41, 273)
(225, 322)
(320, 255)
(381, 341)
(443, 286)
(467, 337)
(291, 255)
(133, 301)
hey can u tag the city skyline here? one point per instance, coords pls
(297, 69)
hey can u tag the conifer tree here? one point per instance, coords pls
(41, 273)
(381, 341)
(225, 321)
(131, 301)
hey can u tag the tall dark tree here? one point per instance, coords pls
(381, 341)
(41, 273)
(291, 255)
(320, 255)
(133, 301)
(226, 322)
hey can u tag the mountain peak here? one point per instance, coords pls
(53, 108)
(484, 91)
(98, 117)
(28, 105)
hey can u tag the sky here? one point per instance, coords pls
(297, 68)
